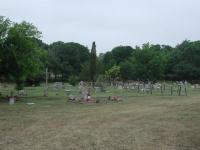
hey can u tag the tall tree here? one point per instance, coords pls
(122, 53)
(113, 73)
(184, 62)
(148, 63)
(5, 25)
(93, 59)
(21, 54)
(66, 59)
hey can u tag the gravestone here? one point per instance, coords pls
(84, 91)
(58, 85)
(67, 92)
(120, 87)
(97, 89)
(11, 100)
(22, 93)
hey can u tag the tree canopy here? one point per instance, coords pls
(20, 54)
(24, 56)
(66, 59)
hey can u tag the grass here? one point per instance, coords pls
(140, 122)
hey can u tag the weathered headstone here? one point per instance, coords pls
(22, 93)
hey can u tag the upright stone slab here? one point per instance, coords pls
(11, 100)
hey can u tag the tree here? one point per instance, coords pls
(21, 54)
(148, 63)
(113, 73)
(122, 53)
(116, 56)
(108, 60)
(184, 62)
(127, 70)
(66, 59)
(85, 71)
(4, 28)
(93, 59)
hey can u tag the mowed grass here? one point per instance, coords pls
(141, 122)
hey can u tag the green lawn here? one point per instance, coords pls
(140, 122)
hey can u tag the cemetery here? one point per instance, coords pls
(92, 92)
(93, 80)
(67, 115)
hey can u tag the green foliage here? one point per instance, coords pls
(4, 28)
(73, 80)
(127, 70)
(122, 53)
(145, 63)
(113, 73)
(93, 63)
(101, 78)
(148, 63)
(116, 56)
(184, 62)
(66, 59)
(21, 54)
(85, 72)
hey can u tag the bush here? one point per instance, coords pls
(19, 85)
(73, 80)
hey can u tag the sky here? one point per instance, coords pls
(109, 23)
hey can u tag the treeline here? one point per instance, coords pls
(24, 58)
(148, 62)
(156, 62)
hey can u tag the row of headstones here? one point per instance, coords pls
(195, 86)
(149, 88)
(120, 85)
(178, 87)
(140, 87)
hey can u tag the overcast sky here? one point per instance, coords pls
(109, 22)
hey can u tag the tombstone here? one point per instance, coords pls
(72, 98)
(157, 86)
(148, 88)
(63, 85)
(83, 91)
(12, 100)
(46, 92)
(67, 92)
(186, 83)
(81, 86)
(58, 85)
(22, 93)
(125, 86)
(181, 83)
(97, 89)
(142, 90)
(120, 87)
